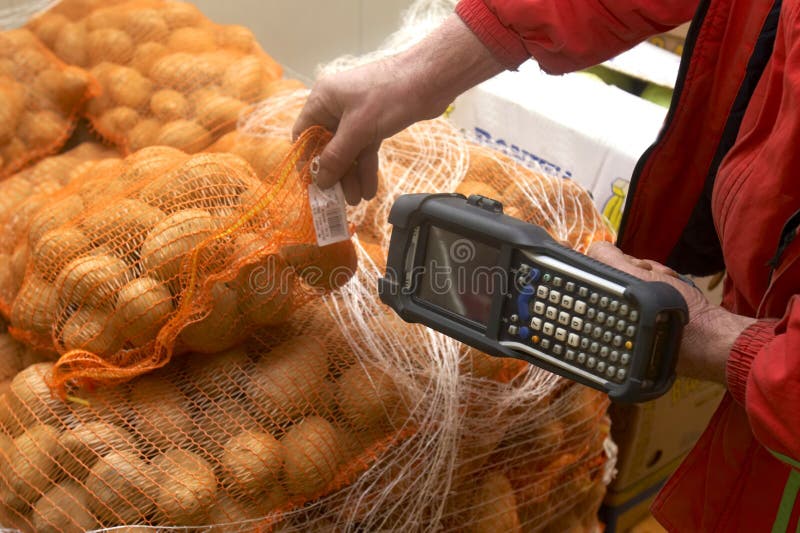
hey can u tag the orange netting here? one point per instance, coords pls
(163, 253)
(169, 75)
(40, 98)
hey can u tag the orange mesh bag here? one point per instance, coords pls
(237, 440)
(164, 252)
(169, 75)
(40, 98)
(26, 193)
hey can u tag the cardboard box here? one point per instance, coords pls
(622, 513)
(673, 40)
(571, 126)
(653, 437)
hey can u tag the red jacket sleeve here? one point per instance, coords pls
(763, 375)
(568, 35)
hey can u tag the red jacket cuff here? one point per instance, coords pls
(504, 44)
(744, 350)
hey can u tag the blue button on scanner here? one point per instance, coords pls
(523, 302)
(524, 332)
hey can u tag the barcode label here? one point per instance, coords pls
(329, 214)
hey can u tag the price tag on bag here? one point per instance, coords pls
(328, 210)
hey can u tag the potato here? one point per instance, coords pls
(245, 79)
(100, 19)
(10, 360)
(144, 134)
(70, 45)
(229, 511)
(30, 400)
(56, 214)
(63, 509)
(215, 111)
(128, 88)
(286, 382)
(265, 286)
(312, 456)
(160, 417)
(14, 154)
(146, 25)
(35, 307)
(143, 306)
(109, 44)
(252, 463)
(263, 154)
(187, 487)
(42, 129)
(122, 226)
(12, 105)
(14, 191)
(64, 87)
(47, 26)
(370, 399)
(92, 280)
(8, 288)
(167, 105)
(194, 40)
(236, 37)
(218, 376)
(495, 506)
(92, 330)
(19, 264)
(122, 488)
(31, 467)
(185, 135)
(146, 55)
(180, 14)
(56, 248)
(219, 330)
(324, 268)
(81, 446)
(185, 72)
(117, 122)
(174, 238)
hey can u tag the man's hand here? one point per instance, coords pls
(365, 105)
(712, 330)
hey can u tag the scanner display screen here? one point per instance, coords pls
(460, 275)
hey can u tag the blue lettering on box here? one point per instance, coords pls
(523, 156)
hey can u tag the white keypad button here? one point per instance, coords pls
(591, 362)
(584, 343)
(536, 324)
(573, 340)
(593, 298)
(611, 370)
(613, 306)
(610, 322)
(597, 332)
(604, 352)
(634, 315)
(630, 331)
(558, 349)
(548, 328)
(563, 318)
(542, 291)
(554, 297)
(583, 292)
(594, 347)
(604, 302)
(591, 313)
(623, 310)
(566, 302)
(551, 313)
(617, 341)
(621, 373)
(545, 344)
(625, 358)
(557, 281)
(570, 286)
(587, 328)
(561, 334)
(601, 317)
(621, 326)
(601, 367)
(570, 355)
(512, 330)
(581, 358)
(613, 356)
(576, 323)
(607, 336)
(538, 308)
(580, 307)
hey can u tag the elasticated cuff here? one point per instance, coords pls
(744, 350)
(504, 44)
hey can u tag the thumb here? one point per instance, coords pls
(337, 158)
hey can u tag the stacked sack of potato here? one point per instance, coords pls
(169, 75)
(192, 251)
(253, 432)
(40, 98)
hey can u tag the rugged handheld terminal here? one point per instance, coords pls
(505, 287)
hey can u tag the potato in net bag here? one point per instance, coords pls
(26, 193)
(250, 434)
(170, 253)
(40, 98)
(169, 75)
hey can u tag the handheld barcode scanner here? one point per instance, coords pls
(505, 287)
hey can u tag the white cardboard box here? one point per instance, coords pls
(572, 125)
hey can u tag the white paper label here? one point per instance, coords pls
(329, 214)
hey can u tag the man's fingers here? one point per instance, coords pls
(338, 156)
(611, 255)
(351, 187)
(368, 171)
